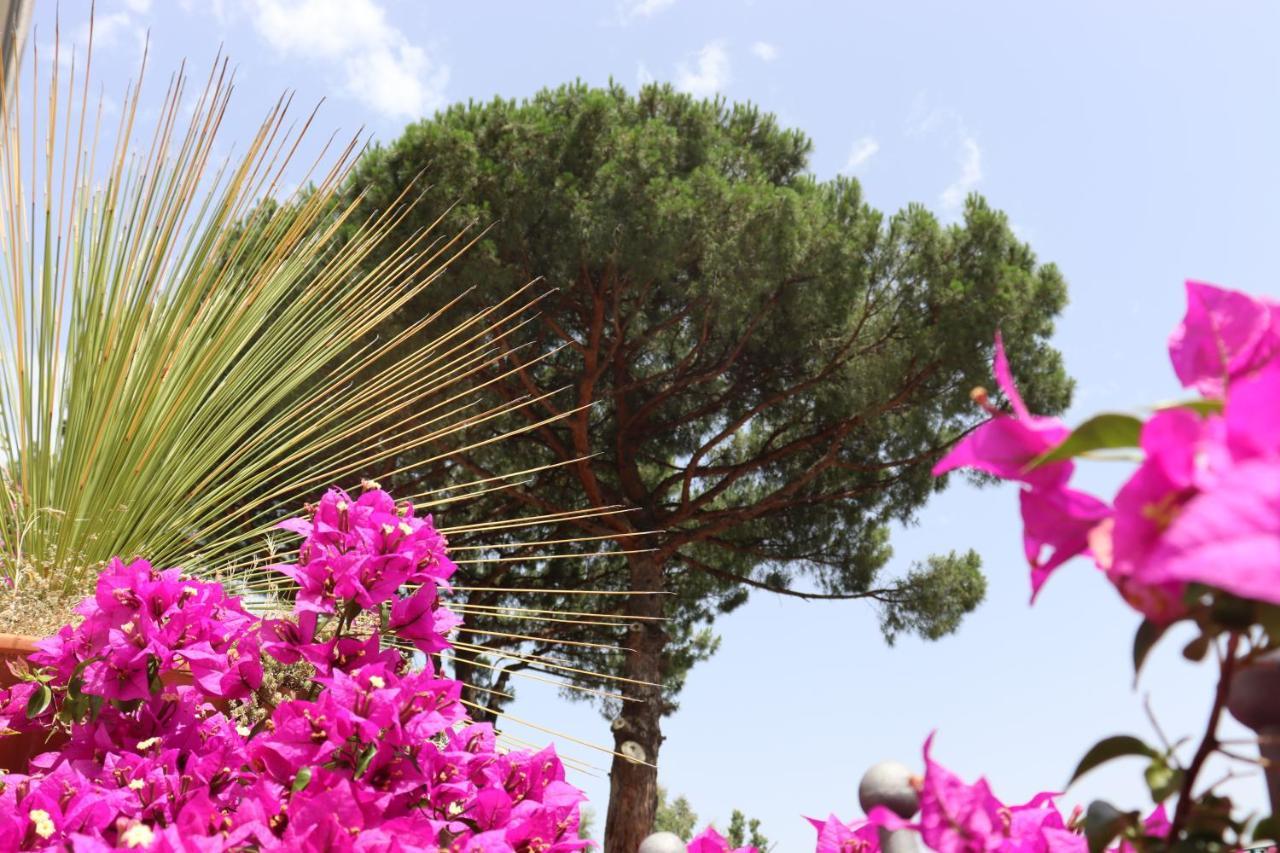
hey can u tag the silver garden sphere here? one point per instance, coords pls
(662, 842)
(888, 784)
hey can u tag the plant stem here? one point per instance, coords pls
(1210, 740)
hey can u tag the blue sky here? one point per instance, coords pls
(1133, 144)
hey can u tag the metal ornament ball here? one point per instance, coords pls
(888, 784)
(662, 842)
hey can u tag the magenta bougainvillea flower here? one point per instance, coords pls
(859, 836)
(1057, 520)
(1224, 336)
(954, 816)
(1196, 523)
(1178, 447)
(420, 619)
(1223, 528)
(961, 817)
(1227, 537)
(378, 756)
(141, 622)
(710, 841)
(364, 550)
(1006, 445)
(378, 752)
(1203, 506)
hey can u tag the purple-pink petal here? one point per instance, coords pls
(1224, 335)
(1059, 520)
(1226, 537)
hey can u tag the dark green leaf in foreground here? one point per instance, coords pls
(1110, 748)
(1101, 432)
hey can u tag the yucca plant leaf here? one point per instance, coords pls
(186, 352)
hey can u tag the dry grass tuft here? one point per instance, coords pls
(36, 601)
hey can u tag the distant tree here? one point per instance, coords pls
(744, 832)
(676, 816)
(757, 366)
(586, 821)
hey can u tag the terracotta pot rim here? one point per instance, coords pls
(23, 643)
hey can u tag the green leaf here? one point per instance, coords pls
(68, 713)
(1149, 633)
(154, 683)
(1116, 746)
(1103, 822)
(1202, 407)
(301, 780)
(1267, 829)
(75, 684)
(39, 701)
(1197, 648)
(1232, 612)
(258, 727)
(1269, 619)
(365, 758)
(1100, 432)
(1162, 779)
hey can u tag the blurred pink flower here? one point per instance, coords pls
(1224, 335)
(1006, 444)
(1060, 520)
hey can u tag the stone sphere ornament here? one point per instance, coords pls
(1254, 700)
(900, 841)
(888, 784)
(662, 842)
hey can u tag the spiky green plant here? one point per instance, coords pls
(178, 349)
(187, 351)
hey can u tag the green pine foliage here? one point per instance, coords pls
(755, 367)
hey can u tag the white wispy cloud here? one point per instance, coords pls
(927, 119)
(629, 10)
(138, 7)
(378, 63)
(709, 73)
(114, 29)
(643, 75)
(953, 196)
(860, 154)
(117, 33)
(217, 8)
(765, 51)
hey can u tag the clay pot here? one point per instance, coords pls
(16, 750)
(13, 647)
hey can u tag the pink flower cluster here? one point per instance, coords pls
(142, 624)
(710, 841)
(360, 555)
(955, 816)
(376, 756)
(1203, 506)
(960, 817)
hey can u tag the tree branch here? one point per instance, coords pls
(1209, 742)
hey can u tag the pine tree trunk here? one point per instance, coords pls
(637, 731)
